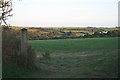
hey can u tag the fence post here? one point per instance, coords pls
(24, 46)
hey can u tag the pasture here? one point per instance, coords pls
(76, 58)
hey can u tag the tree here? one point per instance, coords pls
(5, 10)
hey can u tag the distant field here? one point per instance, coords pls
(75, 45)
(109, 29)
(77, 58)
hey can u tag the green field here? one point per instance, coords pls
(71, 58)
(77, 58)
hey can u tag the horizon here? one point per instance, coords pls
(67, 26)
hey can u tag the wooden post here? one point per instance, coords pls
(24, 46)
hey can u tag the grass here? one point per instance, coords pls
(75, 45)
(71, 58)
(13, 71)
(77, 58)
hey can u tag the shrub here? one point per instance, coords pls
(11, 54)
(46, 55)
(10, 47)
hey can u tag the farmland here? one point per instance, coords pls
(48, 33)
(71, 58)
(76, 58)
(68, 53)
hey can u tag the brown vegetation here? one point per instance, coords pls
(11, 53)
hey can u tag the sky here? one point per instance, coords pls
(65, 13)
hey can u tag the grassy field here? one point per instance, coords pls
(71, 58)
(76, 58)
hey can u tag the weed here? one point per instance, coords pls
(46, 55)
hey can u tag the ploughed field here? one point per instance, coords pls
(76, 58)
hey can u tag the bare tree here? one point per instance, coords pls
(5, 9)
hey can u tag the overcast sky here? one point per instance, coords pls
(58, 13)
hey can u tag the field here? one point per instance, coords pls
(76, 58)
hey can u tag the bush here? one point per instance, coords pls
(11, 54)
(10, 47)
(46, 55)
(31, 58)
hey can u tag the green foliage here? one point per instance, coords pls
(31, 58)
(12, 71)
(46, 55)
(114, 33)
